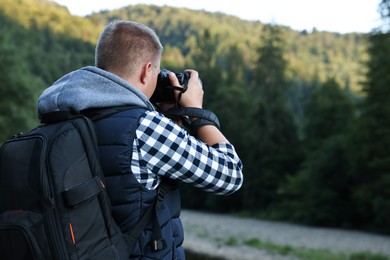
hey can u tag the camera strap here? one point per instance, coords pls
(181, 89)
(203, 117)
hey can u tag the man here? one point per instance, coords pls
(139, 147)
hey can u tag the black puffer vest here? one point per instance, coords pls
(129, 198)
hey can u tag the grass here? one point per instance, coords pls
(301, 253)
(286, 250)
(311, 254)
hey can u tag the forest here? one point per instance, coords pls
(308, 111)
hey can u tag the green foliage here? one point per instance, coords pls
(370, 157)
(31, 58)
(329, 112)
(41, 14)
(274, 140)
(321, 55)
(17, 86)
(319, 193)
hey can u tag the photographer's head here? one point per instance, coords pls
(131, 51)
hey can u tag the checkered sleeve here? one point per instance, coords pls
(168, 150)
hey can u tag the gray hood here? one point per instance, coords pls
(90, 87)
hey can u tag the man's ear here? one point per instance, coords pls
(146, 72)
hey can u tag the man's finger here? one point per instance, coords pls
(174, 80)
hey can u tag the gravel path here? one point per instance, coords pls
(208, 233)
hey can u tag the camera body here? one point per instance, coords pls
(164, 92)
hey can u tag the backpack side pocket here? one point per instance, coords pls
(22, 236)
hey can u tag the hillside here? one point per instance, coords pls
(311, 55)
(40, 14)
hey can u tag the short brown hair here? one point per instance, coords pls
(124, 45)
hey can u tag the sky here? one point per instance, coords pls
(342, 16)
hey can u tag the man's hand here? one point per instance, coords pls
(193, 97)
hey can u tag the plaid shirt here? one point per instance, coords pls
(162, 148)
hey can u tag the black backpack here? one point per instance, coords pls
(53, 202)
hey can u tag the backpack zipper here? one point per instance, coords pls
(50, 215)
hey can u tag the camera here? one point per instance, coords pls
(164, 92)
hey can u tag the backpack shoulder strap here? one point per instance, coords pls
(92, 113)
(157, 242)
(57, 116)
(100, 113)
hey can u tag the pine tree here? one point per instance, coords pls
(320, 193)
(204, 59)
(273, 142)
(370, 154)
